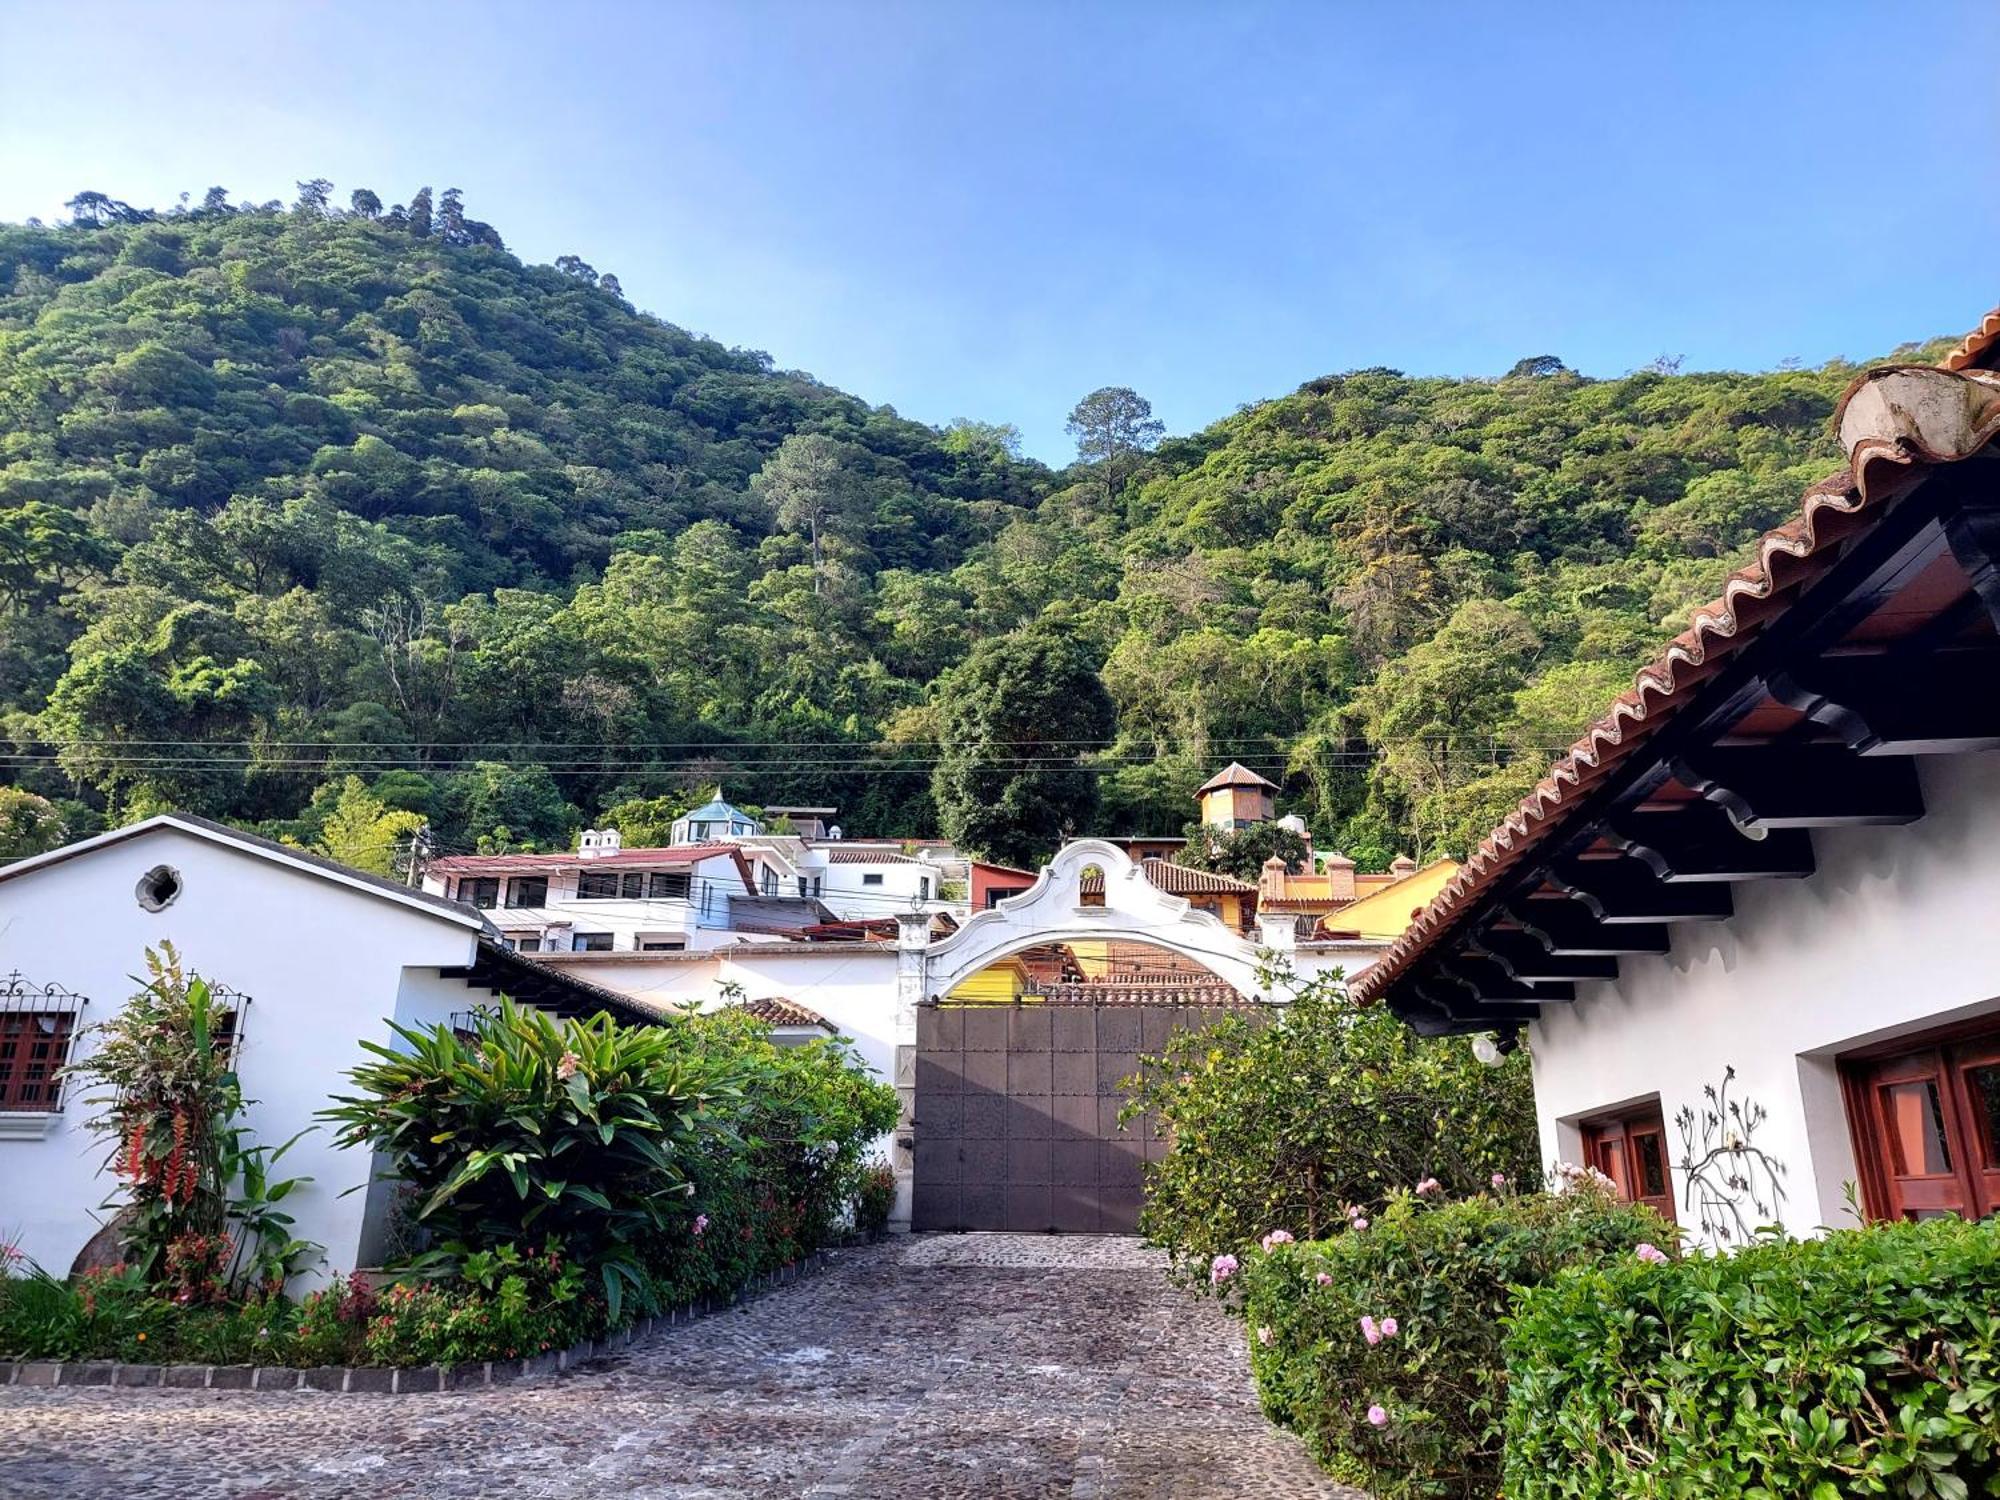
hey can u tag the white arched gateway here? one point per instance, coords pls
(1010, 1111)
(1122, 905)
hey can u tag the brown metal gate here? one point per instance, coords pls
(1015, 1123)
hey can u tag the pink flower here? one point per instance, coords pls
(1370, 1330)
(1221, 1269)
(1276, 1237)
(1264, 1334)
(567, 1065)
(1499, 1181)
(1323, 1279)
(1360, 1223)
(1389, 1328)
(1652, 1255)
(1429, 1187)
(1377, 1417)
(701, 1223)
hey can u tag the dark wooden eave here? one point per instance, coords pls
(1817, 723)
(501, 971)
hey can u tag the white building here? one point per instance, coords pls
(609, 899)
(315, 957)
(1748, 922)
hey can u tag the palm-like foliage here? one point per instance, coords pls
(532, 1127)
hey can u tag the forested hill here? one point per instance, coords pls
(293, 494)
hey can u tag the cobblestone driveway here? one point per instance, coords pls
(976, 1365)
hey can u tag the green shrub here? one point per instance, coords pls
(1418, 1409)
(1863, 1363)
(672, 1162)
(1293, 1120)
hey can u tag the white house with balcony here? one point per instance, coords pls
(605, 898)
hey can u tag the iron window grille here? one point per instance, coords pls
(38, 1022)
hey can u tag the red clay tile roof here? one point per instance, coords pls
(776, 1010)
(534, 864)
(1179, 880)
(838, 855)
(1887, 453)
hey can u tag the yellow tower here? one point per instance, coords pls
(1235, 797)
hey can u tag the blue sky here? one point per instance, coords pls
(988, 210)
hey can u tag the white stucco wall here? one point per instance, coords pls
(853, 986)
(323, 966)
(1894, 933)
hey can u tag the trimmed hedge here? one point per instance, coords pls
(1863, 1363)
(1381, 1347)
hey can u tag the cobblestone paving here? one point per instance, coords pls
(918, 1369)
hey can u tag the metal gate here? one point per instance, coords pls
(1016, 1118)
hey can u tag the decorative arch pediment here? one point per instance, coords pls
(1054, 910)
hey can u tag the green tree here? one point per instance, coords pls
(1018, 719)
(812, 486)
(29, 824)
(361, 830)
(1112, 426)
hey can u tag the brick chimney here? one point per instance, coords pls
(1402, 867)
(1340, 877)
(1271, 880)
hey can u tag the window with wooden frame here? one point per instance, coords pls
(34, 1045)
(1630, 1147)
(1924, 1113)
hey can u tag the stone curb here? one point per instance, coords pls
(384, 1380)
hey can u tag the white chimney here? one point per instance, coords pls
(596, 841)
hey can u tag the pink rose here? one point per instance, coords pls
(1377, 1417)
(1221, 1269)
(1370, 1330)
(1389, 1328)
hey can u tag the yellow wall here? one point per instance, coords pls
(996, 983)
(1386, 914)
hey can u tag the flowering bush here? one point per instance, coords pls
(1384, 1346)
(1306, 1120)
(876, 1199)
(1863, 1363)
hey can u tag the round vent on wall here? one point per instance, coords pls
(159, 888)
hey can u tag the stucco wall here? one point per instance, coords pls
(322, 966)
(1894, 933)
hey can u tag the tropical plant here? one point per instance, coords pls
(530, 1127)
(1294, 1120)
(1381, 1346)
(198, 1207)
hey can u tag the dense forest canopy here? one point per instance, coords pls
(317, 518)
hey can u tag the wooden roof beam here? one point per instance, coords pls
(1804, 786)
(1699, 842)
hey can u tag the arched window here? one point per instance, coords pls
(1090, 886)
